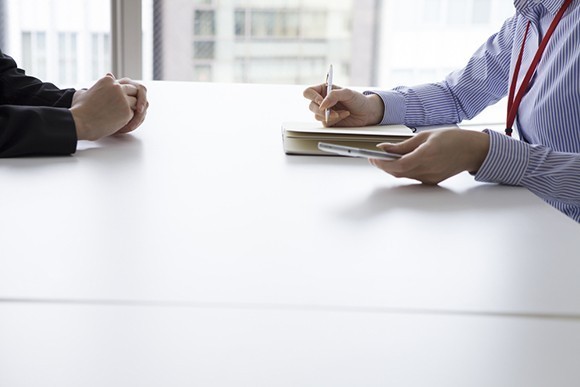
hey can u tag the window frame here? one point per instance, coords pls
(126, 38)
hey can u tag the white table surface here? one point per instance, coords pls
(100, 345)
(201, 206)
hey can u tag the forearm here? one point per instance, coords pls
(36, 131)
(17, 88)
(550, 175)
(429, 104)
(462, 95)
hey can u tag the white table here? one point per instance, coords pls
(92, 345)
(200, 211)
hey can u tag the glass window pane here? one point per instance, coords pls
(457, 12)
(204, 23)
(481, 11)
(56, 41)
(240, 23)
(369, 42)
(204, 50)
(432, 11)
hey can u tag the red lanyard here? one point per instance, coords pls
(514, 103)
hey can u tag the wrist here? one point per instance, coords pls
(80, 127)
(377, 109)
(479, 150)
(77, 95)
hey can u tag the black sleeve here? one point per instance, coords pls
(34, 116)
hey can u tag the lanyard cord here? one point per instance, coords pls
(514, 103)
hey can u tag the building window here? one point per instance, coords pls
(67, 58)
(313, 24)
(204, 23)
(240, 22)
(370, 43)
(202, 73)
(100, 54)
(283, 23)
(278, 23)
(204, 50)
(54, 40)
(34, 58)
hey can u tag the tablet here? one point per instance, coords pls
(344, 150)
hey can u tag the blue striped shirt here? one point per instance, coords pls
(546, 159)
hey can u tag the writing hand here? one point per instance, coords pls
(348, 107)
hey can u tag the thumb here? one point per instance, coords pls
(335, 96)
(402, 147)
(110, 75)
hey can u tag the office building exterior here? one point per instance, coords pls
(369, 42)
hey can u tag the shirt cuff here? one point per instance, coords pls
(506, 161)
(395, 107)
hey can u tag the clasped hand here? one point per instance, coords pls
(430, 156)
(110, 106)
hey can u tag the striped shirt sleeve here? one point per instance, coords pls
(549, 174)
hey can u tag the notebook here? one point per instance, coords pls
(302, 138)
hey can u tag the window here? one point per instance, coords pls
(34, 58)
(240, 22)
(481, 11)
(274, 23)
(240, 39)
(204, 50)
(426, 46)
(202, 73)
(67, 58)
(277, 70)
(204, 23)
(100, 54)
(64, 42)
(369, 42)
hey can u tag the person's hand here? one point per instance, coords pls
(104, 109)
(348, 107)
(433, 156)
(137, 92)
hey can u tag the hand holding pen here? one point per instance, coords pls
(335, 106)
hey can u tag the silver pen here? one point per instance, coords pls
(328, 90)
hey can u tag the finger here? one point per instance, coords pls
(314, 94)
(132, 101)
(403, 147)
(314, 108)
(335, 96)
(336, 117)
(131, 126)
(135, 122)
(130, 90)
(108, 79)
(142, 102)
